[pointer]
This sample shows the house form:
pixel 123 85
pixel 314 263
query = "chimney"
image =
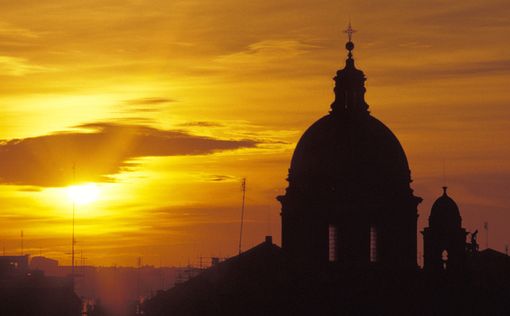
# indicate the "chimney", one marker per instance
pixel 269 239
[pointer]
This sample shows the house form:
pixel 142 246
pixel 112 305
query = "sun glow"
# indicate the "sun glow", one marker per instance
pixel 83 194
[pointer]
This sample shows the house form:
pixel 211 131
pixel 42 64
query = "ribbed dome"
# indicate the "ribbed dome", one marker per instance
pixel 445 213
pixel 354 156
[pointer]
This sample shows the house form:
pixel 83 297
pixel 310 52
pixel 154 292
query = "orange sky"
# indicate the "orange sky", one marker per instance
pixel 167 105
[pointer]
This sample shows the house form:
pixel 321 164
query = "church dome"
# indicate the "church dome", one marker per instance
pixel 445 213
pixel 355 155
pixel 349 201
pixel 349 151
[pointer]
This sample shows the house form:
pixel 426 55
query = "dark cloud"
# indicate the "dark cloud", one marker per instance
pixel 100 150
pixel 219 178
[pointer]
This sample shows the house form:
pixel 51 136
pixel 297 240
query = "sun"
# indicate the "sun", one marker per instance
pixel 83 194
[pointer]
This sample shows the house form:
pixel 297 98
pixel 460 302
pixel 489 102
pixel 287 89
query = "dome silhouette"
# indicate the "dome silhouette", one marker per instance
pixel 349 153
pixel 445 213
pixel 350 156
pixel 349 201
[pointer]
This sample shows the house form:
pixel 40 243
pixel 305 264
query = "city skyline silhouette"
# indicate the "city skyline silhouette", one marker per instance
pixel 182 135
pixel 349 225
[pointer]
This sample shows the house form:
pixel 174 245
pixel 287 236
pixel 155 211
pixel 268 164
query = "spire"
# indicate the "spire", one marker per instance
pixel 349 84
pixel 349 45
pixel 444 190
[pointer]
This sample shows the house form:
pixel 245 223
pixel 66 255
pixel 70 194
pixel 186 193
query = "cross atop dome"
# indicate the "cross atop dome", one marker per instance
pixel 349 45
pixel 349 31
pixel 350 84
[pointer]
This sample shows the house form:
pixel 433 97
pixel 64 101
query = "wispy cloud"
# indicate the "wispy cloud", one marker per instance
pixel 16 66
pixel 146 104
pixel 266 51
pixel 201 124
pixel 276 56
pixel 149 101
pixel 410 74
pixel 12 32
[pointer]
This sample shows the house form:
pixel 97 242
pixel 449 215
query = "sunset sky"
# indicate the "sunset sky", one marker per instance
pixel 165 105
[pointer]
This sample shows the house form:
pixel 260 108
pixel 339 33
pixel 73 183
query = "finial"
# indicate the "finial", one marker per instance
pixel 349 45
pixel 349 31
pixel 444 190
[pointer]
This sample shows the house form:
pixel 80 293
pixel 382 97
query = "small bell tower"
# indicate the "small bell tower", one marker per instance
pixel 444 241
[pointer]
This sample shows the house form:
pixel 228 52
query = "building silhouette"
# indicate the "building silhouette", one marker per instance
pixel 349 236
pixel 444 241
pixel 349 199
pixel 26 292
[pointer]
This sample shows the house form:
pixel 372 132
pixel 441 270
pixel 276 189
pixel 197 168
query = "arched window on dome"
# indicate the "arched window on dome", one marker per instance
pixel 373 244
pixel 332 243
pixel 444 259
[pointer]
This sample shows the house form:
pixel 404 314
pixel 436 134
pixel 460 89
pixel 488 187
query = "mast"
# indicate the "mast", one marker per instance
pixel 243 187
pixel 486 227
pixel 73 241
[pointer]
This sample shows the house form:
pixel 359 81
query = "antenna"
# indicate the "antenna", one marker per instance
pixel 22 250
pixel 486 227
pixel 138 278
pixel 243 187
pixel 82 262
pixel 268 222
pixel 161 273
pixel 444 171
pixel 73 240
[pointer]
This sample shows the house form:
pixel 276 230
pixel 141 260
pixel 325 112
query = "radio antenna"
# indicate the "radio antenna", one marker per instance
pixel 243 188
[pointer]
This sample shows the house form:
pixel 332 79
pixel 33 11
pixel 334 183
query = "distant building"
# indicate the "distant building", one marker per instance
pixel 49 266
pixel 114 290
pixel 27 292
pixel 13 265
